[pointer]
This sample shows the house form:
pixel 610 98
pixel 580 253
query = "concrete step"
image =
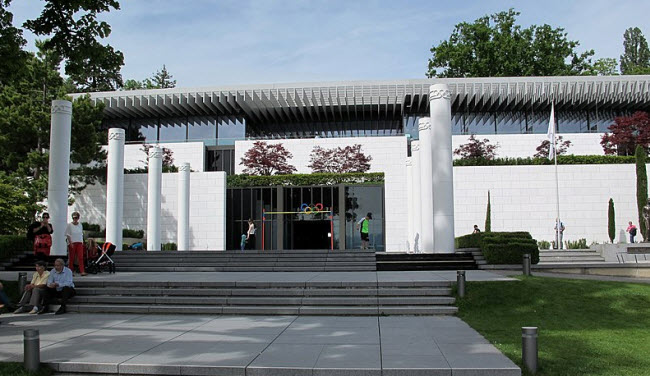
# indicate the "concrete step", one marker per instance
pixel 209 292
pixel 571 259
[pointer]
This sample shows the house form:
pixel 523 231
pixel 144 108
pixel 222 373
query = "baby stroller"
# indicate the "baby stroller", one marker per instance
pixel 104 260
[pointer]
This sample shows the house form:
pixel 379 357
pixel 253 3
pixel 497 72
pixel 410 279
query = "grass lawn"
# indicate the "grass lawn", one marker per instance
pixel 585 327
pixel 16 369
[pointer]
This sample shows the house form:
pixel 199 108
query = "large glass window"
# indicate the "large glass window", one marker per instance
pixel 230 130
pixel 360 200
pixel 202 130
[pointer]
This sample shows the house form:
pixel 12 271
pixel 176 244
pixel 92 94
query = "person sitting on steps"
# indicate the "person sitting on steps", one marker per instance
pixel 59 285
pixel 33 295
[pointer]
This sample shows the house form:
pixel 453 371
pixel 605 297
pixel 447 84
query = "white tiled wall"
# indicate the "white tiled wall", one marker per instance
pixel 388 156
pixel 190 152
pixel 524 145
pixel 523 198
pixel 207 207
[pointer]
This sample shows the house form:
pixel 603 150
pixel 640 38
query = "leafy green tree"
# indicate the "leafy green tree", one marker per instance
pixel 603 67
pixel 488 216
pixel 132 84
pixel 495 46
pixel 611 221
pixel 636 55
pixel 641 187
pixel 74 29
pixel 12 55
pixel 16 212
pixel 162 79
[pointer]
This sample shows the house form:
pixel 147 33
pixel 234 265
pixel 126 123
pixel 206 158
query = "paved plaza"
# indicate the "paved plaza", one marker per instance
pixel 261 345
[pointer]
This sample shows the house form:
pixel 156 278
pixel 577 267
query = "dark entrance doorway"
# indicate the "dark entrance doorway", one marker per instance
pixel 311 234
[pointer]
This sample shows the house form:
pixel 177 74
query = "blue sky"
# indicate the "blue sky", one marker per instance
pixel 214 43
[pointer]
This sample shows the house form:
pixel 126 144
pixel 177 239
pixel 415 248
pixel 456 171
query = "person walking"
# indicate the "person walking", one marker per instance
pixel 250 235
pixel 364 229
pixel 632 230
pixel 74 235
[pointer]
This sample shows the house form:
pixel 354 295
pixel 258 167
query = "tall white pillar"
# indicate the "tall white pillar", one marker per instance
pixel 416 215
pixel 184 207
pixel 426 186
pixel 443 168
pixel 409 200
pixel 115 187
pixel 59 173
pixel 154 198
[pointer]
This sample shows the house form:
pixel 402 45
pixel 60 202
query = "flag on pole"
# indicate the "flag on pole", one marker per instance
pixel 551 133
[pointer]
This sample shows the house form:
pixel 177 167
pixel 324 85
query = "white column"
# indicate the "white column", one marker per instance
pixel 443 169
pixel 154 199
pixel 184 207
pixel 59 173
pixel 417 209
pixel 409 200
pixel 115 187
pixel 426 186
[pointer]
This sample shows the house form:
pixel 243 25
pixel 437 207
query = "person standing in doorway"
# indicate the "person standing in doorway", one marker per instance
pixel 74 235
pixel 250 235
pixel 632 230
pixel 364 228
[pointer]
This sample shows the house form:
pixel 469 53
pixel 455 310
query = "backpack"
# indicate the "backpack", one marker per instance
pixel 633 231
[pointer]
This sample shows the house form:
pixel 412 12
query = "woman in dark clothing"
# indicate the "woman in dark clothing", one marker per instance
pixel 40 234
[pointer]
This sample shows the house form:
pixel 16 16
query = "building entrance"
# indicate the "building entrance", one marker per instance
pixel 313 234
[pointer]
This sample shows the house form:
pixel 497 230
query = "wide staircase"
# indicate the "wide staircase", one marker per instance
pixel 357 298
pixel 569 256
pixel 248 261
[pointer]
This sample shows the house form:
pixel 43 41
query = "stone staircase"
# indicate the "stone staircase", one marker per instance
pixel 569 256
pixel 356 298
pixel 425 261
pixel 251 261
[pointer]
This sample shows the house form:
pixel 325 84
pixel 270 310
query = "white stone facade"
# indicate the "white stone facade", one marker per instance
pixel 207 207
pixel 388 156
pixel 183 152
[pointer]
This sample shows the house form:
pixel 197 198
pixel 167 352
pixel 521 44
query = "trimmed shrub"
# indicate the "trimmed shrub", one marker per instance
pixel 239 181
pixel 488 216
pixel 468 241
pixel 97 234
pixel 90 227
pixel 641 187
pixel 511 253
pixel 561 159
pixel 129 233
pixel 544 244
pixel 474 240
pixel 611 221
pixel 11 245
pixel 578 244
pixel 169 247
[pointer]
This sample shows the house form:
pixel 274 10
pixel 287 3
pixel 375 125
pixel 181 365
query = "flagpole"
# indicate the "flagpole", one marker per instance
pixel 557 195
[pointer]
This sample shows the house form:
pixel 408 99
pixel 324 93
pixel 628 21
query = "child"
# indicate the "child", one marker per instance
pixel 242 244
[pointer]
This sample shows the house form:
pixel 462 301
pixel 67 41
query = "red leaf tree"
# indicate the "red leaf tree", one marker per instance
pixel 339 160
pixel 167 158
pixel 267 159
pixel 477 149
pixel 626 133
pixel 561 147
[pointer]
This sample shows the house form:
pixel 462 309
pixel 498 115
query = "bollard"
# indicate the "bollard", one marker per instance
pixel 460 283
pixel 526 263
pixel 22 282
pixel 32 349
pixel 529 347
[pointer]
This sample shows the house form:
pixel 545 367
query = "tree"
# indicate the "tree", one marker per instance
pixel 267 159
pixel 339 160
pixel 132 84
pixel 162 79
pixel 611 221
pixel 626 133
pixel 603 67
pixel 16 212
pixel 167 157
pixel 636 55
pixel 641 187
pixel 496 46
pixel 74 30
pixel 11 47
pixel 488 215
pixel 477 149
pixel 561 147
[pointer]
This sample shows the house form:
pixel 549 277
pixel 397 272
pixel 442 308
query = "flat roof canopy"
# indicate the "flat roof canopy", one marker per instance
pixel 379 100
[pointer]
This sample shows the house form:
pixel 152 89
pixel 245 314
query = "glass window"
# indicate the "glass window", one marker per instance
pixel 359 201
pixel 145 133
pixel 230 130
pixel 202 131
pixel 173 133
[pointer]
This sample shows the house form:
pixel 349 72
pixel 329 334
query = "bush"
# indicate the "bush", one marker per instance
pixel 561 159
pixel 90 227
pixel 474 240
pixel 578 244
pixel 611 221
pixel 129 233
pixel 510 253
pixel 11 245
pixel 543 244
pixel 468 241
pixel 169 247
pixel 97 234
pixel 240 181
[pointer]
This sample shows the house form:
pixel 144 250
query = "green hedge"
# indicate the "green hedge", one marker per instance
pixel 169 247
pixel 11 245
pixel 128 233
pixel 510 253
pixel 474 240
pixel 469 241
pixel 240 181
pixel 561 159
pixel 90 226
